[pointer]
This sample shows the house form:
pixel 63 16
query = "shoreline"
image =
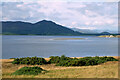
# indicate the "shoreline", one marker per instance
pixel 47 35
pixel 117 57
pixel 110 36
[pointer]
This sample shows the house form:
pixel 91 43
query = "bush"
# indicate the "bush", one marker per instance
pixel 64 61
pixel 86 61
pixel 30 61
pixel 28 71
pixel 57 59
pixel 54 59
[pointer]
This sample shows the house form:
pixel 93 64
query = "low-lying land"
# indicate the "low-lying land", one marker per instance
pixel 110 36
pixel 105 70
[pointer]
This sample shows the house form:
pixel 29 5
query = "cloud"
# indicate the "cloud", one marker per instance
pixel 90 28
pixel 98 15
pixel 73 23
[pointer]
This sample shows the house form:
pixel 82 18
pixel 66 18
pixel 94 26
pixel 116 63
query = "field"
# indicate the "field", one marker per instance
pixel 105 70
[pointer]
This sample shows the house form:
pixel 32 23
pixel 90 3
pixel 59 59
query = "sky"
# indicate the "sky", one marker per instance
pixel 101 16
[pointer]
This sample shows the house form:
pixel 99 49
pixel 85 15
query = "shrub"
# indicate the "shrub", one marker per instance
pixel 54 59
pixel 86 61
pixel 30 60
pixel 57 59
pixel 64 61
pixel 28 71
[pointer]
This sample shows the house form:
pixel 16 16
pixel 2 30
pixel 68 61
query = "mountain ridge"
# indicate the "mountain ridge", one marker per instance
pixel 43 27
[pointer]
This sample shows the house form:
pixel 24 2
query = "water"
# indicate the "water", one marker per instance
pixel 45 46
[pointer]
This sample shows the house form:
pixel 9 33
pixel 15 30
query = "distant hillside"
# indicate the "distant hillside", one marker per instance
pixel 40 28
pixel 88 31
pixel 93 32
pixel 105 33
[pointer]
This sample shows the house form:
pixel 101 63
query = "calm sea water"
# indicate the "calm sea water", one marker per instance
pixel 46 46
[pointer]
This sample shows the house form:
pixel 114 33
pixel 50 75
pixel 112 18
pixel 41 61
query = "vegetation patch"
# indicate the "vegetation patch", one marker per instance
pixel 28 71
pixel 30 61
pixel 57 59
pixel 64 61
pixel 86 61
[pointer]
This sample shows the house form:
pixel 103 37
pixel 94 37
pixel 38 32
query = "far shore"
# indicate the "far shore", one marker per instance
pixel 110 36
pixel 59 35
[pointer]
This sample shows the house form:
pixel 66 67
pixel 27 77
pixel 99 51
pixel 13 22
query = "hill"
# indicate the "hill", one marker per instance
pixel 43 27
pixel 105 33
pixel 86 31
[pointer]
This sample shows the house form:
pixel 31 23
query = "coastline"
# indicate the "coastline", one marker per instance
pixel 110 36
pixel 117 57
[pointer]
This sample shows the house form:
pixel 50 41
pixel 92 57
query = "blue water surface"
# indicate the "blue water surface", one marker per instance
pixel 14 46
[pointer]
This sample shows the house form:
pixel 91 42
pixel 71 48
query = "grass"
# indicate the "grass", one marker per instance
pixel 105 70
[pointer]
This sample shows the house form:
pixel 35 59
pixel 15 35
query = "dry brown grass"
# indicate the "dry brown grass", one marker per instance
pixel 106 70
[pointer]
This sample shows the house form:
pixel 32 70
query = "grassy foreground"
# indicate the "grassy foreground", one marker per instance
pixel 105 70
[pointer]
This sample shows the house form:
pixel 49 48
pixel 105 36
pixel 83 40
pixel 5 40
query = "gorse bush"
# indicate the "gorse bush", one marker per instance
pixel 28 71
pixel 54 59
pixel 30 60
pixel 86 61
pixel 57 59
pixel 64 61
